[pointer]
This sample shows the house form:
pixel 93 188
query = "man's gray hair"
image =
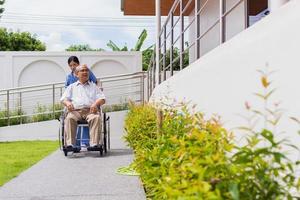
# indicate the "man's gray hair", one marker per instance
pixel 79 67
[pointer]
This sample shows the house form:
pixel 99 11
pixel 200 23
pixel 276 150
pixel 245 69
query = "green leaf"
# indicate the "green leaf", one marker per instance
pixel 258 112
pixel 259 95
pixel 234 191
pixel 140 41
pixel 269 136
pixel 260 151
pixel 278 156
pixel 269 93
pixel 125 48
pixel 113 46
pixel 293 146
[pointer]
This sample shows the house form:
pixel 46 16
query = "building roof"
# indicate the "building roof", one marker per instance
pixel 147 7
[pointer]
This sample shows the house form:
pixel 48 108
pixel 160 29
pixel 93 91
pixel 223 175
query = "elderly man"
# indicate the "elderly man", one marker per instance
pixel 82 99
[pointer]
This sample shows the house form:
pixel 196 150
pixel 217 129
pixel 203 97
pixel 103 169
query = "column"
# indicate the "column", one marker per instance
pixel 157 45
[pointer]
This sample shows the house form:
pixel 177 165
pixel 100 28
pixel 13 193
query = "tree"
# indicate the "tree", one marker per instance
pixel 1 6
pixel 137 47
pixel 19 41
pixel 82 47
pixel 147 53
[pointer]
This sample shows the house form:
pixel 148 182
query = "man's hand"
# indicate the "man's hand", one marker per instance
pixel 69 106
pixel 94 108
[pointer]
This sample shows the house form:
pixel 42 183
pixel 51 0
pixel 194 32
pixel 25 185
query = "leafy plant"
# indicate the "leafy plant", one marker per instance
pixel 41 113
pixel 16 117
pixel 185 156
pixel 185 159
pixel 2 6
pixel 58 108
pixel 147 55
pixel 141 39
pixel 115 107
pixel 261 169
pixel 140 125
pixel 44 113
pixel 82 47
pixel 19 41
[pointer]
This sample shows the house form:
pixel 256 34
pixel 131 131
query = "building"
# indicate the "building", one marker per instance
pixel 225 54
pixel 196 27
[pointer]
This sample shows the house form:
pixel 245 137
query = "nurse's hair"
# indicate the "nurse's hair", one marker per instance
pixel 74 59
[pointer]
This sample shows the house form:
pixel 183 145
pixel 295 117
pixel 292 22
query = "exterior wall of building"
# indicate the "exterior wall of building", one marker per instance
pixel 225 78
pixel 34 68
pixel 276 4
pixel 234 23
pixel 21 69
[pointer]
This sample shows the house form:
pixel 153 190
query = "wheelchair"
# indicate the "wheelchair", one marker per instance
pixel 82 140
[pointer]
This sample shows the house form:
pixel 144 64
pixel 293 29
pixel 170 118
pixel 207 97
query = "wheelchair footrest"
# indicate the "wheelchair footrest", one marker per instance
pixel 98 148
pixel 72 149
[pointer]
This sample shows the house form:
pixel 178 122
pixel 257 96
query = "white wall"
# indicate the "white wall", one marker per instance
pixel 234 23
pixel 32 68
pixel 222 80
pixel 208 16
pixel 35 68
pixel 273 5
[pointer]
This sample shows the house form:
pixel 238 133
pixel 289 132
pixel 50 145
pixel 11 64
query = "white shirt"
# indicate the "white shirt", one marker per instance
pixel 82 95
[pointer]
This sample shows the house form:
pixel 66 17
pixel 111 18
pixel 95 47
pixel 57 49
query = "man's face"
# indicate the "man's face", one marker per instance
pixel 83 74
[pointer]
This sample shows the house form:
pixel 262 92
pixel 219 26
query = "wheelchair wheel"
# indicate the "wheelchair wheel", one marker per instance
pixel 101 151
pixel 105 133
pixel 61 132
pixel 65 152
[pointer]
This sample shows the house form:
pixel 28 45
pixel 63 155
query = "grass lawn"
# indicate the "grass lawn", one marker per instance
pixel 15 157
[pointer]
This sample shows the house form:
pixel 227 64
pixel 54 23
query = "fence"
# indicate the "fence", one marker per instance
pixel 193 28
pixel 39 102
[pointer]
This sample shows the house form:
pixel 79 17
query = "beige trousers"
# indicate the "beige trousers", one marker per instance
pixel 94 121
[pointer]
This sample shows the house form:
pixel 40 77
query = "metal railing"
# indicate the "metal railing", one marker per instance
pixel 25 104
pixel 177 49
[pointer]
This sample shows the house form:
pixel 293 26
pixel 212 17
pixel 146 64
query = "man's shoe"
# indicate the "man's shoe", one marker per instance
pixel 76 149
pixel 69 147
pixel 91 148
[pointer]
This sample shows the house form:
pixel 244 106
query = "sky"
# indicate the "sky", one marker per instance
pixel 61 23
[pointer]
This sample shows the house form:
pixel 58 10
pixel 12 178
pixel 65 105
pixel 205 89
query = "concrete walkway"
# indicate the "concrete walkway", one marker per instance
pixel 83 176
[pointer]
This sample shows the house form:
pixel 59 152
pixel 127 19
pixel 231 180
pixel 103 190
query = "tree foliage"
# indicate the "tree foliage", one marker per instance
pixel 1 6
pixel 137 47
pixel 82 47
pixel 19 41
pixel 146 53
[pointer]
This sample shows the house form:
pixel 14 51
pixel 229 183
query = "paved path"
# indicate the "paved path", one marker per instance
pixel 84 176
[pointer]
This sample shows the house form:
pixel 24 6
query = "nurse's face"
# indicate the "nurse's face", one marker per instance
pixel 73 65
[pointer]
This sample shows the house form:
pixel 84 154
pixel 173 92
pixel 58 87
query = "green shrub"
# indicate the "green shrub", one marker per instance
pixel 185 156
pixel 58 108
pixel 41 113
pixel 140 125
pixel 115 107
pixel 15 117
pixel 185 160
pixel 44 113
pixel 261 169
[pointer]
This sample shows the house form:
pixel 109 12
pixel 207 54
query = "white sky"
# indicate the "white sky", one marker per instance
pixel 81 22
